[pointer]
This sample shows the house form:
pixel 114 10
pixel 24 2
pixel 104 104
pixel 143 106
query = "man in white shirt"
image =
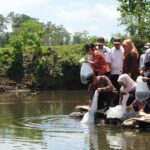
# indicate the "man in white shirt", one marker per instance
pixel 102 48
pixel 115 60
pixel 145 62
pixel 142 57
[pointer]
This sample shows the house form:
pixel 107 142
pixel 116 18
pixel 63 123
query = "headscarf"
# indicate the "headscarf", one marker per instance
pixel 130 47
pixel 126 79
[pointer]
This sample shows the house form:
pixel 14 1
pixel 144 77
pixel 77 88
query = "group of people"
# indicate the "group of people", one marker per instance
pixel 115 72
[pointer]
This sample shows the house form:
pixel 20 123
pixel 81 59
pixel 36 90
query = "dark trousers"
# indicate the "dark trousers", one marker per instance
pixel 131 98
pixel 114 80
pixel 106 99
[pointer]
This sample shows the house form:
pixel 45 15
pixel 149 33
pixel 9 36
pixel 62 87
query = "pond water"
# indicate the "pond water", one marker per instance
pixel 40 121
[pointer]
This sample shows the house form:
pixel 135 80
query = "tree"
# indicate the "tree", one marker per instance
pixel 4 39
pixel 135 15
pixel 3 25
pixel 4 36
pixel 80 37
pixel 16 67
pixel 32 33
pixel 17 20
pixel 56 35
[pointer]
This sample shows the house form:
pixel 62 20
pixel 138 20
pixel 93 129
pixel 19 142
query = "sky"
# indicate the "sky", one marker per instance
pixel 98 17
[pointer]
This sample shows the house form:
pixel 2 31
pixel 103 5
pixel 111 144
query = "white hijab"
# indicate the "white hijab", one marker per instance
pixel 126 79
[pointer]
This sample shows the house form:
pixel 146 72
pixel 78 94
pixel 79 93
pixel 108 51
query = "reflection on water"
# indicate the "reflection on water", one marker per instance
pixel 116 141
pixel 41 122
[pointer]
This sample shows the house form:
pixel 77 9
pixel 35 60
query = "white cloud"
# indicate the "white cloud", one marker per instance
pixel 85 13
pixel 107 12
pixel 99 19
pixel 94 16
pixel 95 29
pixel 19 5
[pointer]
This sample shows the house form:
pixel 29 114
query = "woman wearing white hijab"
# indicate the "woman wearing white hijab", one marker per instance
pixel 128 86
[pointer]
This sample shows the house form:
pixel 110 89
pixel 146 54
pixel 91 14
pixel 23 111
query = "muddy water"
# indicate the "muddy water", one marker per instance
pixel 40 121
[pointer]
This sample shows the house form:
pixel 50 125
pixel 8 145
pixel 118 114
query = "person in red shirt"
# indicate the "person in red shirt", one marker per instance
pixel 98 62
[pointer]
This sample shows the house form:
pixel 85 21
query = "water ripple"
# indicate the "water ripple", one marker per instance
pixel 58 123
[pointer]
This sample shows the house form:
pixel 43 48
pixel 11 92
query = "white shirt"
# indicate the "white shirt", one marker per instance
pixel 146 73
pixel 90 58
pixel 105 51
pixel 146 57
pixel 115 58
pixel 142 57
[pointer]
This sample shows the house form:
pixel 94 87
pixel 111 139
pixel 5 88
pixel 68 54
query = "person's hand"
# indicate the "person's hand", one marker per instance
pixel 90 102
pixel 128 108
pixel 90 62
pixel 145 79
pixel 129 74
pixel 122 94
pixel 86 61
pixel 141 72
pixel 99 90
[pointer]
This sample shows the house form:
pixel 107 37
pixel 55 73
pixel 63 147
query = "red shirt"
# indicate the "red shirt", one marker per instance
pixel 100 65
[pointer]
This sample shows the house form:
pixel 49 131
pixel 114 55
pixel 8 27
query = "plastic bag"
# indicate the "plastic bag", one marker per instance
pixel 93 107
pixel 125 99
pixel 142 91
pixel 116 112
pixel 82 60
pixel 89 116
pixel 86 71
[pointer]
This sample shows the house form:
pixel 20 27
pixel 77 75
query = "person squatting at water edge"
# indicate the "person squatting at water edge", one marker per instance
pixel 128 86
pixel 99 65
pixel 107 92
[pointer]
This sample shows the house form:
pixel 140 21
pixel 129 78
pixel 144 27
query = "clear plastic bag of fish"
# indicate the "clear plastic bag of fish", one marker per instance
pixel 115 112
pixel 86 71
pixel 88 118
pixel 142 91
